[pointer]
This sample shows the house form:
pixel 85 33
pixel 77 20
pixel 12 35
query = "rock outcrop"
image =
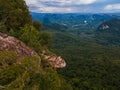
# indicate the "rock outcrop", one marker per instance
pixel 13 44
pixel 54 61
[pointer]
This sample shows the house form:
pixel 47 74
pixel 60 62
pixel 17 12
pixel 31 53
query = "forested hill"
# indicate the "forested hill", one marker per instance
pixel 108 33
pixel 26 63
pixel 76 21
pixel 14 14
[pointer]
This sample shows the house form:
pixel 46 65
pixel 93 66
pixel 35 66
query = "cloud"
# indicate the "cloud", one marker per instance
pixel 30 2
pixel 112 7
pixel 68 2
pixel 61 2
pixel 56 10
pixel 52 6
pixel 73 6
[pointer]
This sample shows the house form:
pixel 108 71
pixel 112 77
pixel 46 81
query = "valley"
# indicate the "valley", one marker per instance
pixel 59 45
pixel 93 61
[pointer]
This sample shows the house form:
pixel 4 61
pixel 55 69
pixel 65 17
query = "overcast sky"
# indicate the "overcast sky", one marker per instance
pixel 74 6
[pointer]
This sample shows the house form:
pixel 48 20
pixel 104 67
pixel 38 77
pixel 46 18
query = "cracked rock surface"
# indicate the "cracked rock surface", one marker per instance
pixel 13 44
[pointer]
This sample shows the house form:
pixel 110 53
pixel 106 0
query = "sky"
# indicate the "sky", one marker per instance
pixel 74 6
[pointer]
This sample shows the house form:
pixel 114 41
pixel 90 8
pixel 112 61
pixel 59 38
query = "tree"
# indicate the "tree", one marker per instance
pixel 30 35
pixel 45 39
pixel 37 24
pixel 29 75
pixel 14 14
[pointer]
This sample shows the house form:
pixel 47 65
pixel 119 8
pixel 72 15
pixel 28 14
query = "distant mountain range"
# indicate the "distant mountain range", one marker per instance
pixel 104 28
pixel 74 21
pixel 66 19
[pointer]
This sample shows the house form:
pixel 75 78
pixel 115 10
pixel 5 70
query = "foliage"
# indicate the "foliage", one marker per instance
pixel 14 14
pixel 37 25
pixel 45 39
pixel 7 58
pixel 29 75
pixel 30 36
pixel 108 33
pixel 34 38
pixel 90 66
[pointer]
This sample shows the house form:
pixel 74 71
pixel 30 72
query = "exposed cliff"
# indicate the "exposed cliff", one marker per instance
pixel 54 61
pixel 13 44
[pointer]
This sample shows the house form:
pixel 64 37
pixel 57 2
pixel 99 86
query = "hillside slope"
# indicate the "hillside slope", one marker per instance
pixel 23 42
pixel 108 32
